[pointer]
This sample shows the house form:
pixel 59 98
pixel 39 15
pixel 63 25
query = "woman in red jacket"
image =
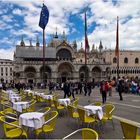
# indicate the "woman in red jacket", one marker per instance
pixel 103 90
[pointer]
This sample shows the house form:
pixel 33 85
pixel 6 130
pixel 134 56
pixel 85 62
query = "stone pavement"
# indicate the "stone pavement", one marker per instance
pixel 129 109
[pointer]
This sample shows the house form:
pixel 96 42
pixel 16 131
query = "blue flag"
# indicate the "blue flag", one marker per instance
pixel 44 17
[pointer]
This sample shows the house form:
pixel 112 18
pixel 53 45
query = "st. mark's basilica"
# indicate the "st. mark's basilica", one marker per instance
pixel 64 61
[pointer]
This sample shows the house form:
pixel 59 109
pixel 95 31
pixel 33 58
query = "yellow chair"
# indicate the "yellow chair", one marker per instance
pixel 84 117
pixel 44 110
pixel 75 102
pixel 130 131
pixel 31 107
pixel 50 123
pixel 97 103
pixel 72 113
pixel 6 109
pixel 57 106
pixel 86 133
pixel 15 132
pixel 108 111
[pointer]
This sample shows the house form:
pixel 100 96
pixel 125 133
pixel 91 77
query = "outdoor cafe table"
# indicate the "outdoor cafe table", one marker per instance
pixel 15 99
pixel 65 101
pixel 18 106
pixel 92 109
pixel 32 119
pixel 47 97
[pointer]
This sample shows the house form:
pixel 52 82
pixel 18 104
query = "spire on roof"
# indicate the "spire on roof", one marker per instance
pixel 22 41
pixel 37 42
pixel 56 36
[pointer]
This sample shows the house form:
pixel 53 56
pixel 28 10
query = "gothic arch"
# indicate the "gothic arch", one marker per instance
pixel 84 73
pixel 45 73
pixel 65 71
pixel 30 74
pixel 96 73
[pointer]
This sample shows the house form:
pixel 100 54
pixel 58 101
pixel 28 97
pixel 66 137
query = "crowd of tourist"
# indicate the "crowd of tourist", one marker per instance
pixel 70 88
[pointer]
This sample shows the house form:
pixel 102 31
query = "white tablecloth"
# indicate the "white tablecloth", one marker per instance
pixel 47 97
pixel 32 119
pixel 38 94
pixel 18 106
pixel 28 91
pixel 64 102
pixel 15 99
pixel 94 110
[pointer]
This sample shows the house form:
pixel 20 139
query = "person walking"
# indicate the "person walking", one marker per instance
pixel 85 88
pixel 103 91
pixel 66 89
pixel 120 89
pixel 89 88
pixel 71 90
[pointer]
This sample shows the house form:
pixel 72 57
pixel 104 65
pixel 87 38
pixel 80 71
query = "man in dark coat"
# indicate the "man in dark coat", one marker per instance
pixel 120 89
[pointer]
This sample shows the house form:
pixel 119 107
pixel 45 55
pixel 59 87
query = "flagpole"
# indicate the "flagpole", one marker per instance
pixel 43 55
pixel 85 42
pixel 117 47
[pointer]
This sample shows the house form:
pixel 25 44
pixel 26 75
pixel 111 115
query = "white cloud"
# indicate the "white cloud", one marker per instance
pixel 7 53
pixel 18 12
pixel 102 13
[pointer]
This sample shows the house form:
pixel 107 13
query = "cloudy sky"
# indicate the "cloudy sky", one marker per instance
pixel 21 17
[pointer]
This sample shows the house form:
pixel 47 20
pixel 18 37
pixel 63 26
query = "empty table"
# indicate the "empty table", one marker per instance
pixel 18 106
pixel 32 119
pixel 94 110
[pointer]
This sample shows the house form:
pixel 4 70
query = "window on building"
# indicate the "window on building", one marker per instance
pixel 10 69
pixel 1 69
pixel 125 60
pixel 136 60
pixel 114 60
pixel 11 74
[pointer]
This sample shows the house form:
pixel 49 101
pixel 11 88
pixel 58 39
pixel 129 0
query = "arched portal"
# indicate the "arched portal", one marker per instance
pixel 84 73
pixel 65 71
pixel 96 74
pixel 30 74
pixel 64 54
pixel 45 73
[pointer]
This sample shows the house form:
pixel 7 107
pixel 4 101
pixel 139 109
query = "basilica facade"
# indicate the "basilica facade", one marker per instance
pixel 63 61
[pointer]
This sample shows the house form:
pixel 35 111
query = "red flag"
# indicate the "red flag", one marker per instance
pixel 86 39
pixel 117 40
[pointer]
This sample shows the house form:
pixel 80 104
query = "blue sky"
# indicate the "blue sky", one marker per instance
pixel 21 18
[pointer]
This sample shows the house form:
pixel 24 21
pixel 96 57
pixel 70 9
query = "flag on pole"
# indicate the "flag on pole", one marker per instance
pixel 44 17
pixel 86 38
pixel 117 39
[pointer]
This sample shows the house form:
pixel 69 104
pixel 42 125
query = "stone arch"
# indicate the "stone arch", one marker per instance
pixel 64 54
pixel 30 74
pixel 45 73
pixel 136 60
pixel 83 73
pixel 96 73
pixel 126 60
pixel 114 60
pixel 65 71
